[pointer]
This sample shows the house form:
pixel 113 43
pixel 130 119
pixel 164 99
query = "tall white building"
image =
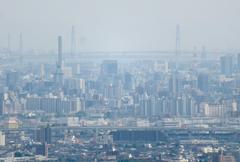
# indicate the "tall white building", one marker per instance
pixel 2 139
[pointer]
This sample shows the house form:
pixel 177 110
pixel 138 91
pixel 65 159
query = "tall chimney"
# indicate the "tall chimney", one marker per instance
pixel 59 52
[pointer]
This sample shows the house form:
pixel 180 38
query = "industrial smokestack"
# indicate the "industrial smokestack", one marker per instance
pixel 59 52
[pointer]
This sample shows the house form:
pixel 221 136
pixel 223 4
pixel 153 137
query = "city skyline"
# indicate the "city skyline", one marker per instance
pixel 119 81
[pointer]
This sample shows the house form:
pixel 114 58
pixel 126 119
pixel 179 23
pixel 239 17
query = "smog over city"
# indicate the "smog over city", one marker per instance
pixel 120 80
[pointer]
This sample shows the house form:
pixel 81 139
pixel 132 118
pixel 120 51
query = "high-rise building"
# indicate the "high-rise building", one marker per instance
pixel 55 105
pixel 237 98
pixel 42 71
pixel 33 103
pixel 179 106
pixel 215 110
pixel 238 61
pixel 174 83
pixel 1 103
pixel 74 85
pixel 202 82
pixel 144 106
pixel 48 104
pixel 2 139
pixel 109 67
pixel 226 65
pixel 189 106
pixel 42 149
pixel 113 91
pixel 203 53
pixel 12 79
pixel 44 135
pixel 173 106
pixel 77 105
pixel 128 81
pixel 159 106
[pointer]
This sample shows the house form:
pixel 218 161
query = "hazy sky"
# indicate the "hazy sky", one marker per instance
pixel 121 24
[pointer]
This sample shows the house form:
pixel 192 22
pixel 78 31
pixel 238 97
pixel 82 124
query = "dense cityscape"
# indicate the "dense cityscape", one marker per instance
pixel 120 109
pixel 119 81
